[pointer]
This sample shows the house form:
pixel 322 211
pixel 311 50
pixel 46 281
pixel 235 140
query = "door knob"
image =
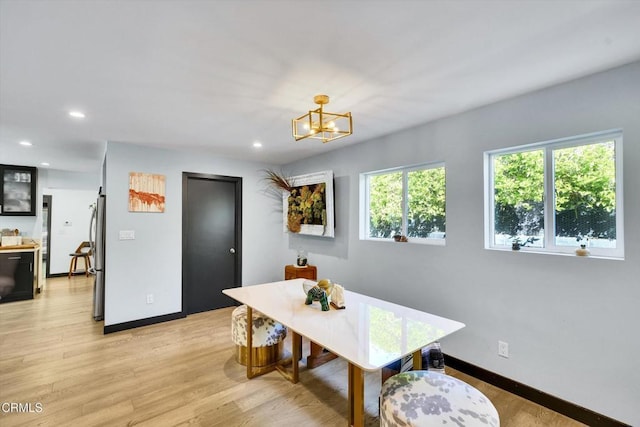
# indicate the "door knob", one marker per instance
pixel 232 250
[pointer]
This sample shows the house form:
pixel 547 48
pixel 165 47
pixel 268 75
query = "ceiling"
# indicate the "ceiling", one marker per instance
pixel 215 76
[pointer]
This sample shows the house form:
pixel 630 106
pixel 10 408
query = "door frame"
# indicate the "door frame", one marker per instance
pixel 48 199
pixel 237 223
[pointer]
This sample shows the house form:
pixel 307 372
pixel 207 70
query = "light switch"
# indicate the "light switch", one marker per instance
pixel 127 235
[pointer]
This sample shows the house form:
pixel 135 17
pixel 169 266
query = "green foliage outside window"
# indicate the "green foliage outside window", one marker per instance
pixel 385 205
pixel 519 191
pixel 584 186
pixel 425 202
pixel 426 190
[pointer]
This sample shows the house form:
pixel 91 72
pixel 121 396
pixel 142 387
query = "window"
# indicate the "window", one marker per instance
pixel 405 201
pixel 558 195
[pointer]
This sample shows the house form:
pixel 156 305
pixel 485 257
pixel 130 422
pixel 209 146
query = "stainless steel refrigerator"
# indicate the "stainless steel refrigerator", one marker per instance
pixel 97 240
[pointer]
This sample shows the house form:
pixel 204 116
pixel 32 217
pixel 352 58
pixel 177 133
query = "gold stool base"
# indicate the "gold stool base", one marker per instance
pixel 261 356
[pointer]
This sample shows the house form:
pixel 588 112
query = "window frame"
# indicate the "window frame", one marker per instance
pixel 365 203
pixel 548 147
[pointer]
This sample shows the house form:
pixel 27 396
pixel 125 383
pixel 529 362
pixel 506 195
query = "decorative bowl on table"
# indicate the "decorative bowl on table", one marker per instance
pixel 325 284
pixel 307 285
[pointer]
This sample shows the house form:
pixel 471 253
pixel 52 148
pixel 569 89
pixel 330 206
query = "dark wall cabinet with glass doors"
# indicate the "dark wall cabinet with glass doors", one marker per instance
pixel 18 190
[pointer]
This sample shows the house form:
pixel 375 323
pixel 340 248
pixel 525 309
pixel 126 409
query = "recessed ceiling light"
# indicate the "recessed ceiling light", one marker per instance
pixel 77 114
pixel 44 164
pixel 257 144
pixel 26 143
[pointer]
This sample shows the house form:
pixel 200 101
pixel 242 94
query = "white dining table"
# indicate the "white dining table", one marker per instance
pixel 369 333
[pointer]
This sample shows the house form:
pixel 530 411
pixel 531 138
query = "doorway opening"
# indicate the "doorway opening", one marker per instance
pixel 47 201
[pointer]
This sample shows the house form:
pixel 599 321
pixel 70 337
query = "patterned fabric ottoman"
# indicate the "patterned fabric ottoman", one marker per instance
pixel 268 337
pixel 425 398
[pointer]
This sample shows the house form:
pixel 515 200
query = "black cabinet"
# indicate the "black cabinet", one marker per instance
pixel 18 190
pixel 16 276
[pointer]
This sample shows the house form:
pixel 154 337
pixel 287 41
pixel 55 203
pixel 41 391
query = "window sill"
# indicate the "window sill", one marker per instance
pixel 415 241
pixel 567 254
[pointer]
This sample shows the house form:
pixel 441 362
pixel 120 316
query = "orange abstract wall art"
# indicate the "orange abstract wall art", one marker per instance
pixel 146 192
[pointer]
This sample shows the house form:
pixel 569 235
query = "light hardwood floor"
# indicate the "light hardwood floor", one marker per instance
pixel 176 373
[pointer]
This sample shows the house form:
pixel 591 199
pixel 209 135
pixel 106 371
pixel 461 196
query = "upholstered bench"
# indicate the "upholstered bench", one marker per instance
pixel 426 398
pixel 267 340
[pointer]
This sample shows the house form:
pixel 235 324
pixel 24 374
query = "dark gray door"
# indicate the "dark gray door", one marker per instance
pixel 211 243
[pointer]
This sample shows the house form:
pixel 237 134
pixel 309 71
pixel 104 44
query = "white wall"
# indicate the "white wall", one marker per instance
pixel 152 263
pixel 70 217
pixel 58 179
pixel 571 322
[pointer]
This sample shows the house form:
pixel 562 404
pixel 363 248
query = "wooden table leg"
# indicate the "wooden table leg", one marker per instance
pixel 296 348
pixel 356 396
pixel 417 360
pixel 318 355
pixel 254 371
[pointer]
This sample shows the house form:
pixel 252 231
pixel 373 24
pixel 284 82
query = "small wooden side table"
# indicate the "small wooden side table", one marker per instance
pixel 318 355
pixel 307 272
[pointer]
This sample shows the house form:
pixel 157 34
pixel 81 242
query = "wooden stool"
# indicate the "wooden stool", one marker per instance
pixel 267 342
pixel 80 253
pixel 425 398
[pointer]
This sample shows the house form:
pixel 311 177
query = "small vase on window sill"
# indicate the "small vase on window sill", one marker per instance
pixel 582 250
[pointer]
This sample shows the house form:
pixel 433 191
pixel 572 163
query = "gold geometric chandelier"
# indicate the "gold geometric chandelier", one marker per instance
pixel 319 124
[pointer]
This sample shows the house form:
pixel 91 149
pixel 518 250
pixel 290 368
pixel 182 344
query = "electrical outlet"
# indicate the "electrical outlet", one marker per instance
pixel 503 349
pixel 149 298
